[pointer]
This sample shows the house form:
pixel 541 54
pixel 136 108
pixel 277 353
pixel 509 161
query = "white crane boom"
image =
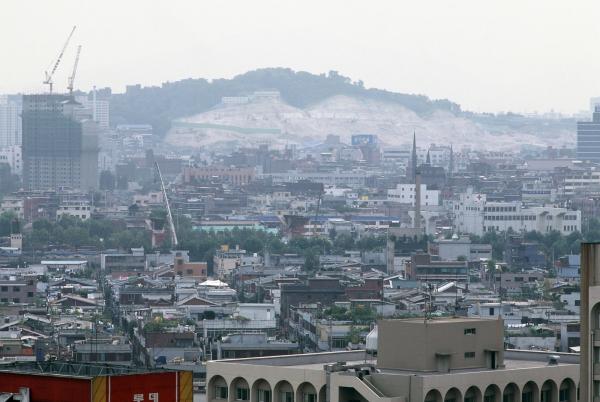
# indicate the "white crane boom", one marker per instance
pixel 169 215
pixel 72 77
pixel 49 76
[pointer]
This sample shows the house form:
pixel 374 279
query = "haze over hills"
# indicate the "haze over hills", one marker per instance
pixel 190 113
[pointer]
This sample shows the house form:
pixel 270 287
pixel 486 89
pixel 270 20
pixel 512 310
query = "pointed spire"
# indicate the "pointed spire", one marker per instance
pixel 413 159
pixel 428 160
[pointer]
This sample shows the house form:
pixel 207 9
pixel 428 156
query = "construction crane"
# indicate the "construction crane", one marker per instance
pixel 169 215
pixel 48 81
pixel 72 77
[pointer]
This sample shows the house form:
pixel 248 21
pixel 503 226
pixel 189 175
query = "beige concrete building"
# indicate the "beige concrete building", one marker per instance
pixel 590 322
pixel 440 360
pixel 234 175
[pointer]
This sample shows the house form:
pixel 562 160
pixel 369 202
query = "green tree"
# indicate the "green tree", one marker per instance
pixel 311 261
pixel 9 223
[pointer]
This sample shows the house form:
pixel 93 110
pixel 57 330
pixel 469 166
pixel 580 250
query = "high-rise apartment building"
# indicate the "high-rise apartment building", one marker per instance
pixel 588 138
pixel 99 108
pixel 60 145
pixel 10 120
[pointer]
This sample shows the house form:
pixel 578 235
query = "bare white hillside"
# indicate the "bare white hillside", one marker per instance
pixel 278 123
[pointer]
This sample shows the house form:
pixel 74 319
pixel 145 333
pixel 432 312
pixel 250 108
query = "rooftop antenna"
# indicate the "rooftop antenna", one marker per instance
pixel 48 76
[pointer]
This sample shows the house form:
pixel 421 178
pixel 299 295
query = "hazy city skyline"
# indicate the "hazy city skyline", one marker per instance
pixel 493 56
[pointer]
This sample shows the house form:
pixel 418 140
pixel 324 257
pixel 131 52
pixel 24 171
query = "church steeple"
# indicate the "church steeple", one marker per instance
pixel 428 160
pixel 413 160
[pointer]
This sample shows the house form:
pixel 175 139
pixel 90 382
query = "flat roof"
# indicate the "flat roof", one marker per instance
pixel 513 360
pixel 73 369
pixel 439 320
pixel 509 364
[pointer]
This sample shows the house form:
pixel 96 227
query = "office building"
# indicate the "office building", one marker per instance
pixel 60 148
pixel 588 138
pixel 435 360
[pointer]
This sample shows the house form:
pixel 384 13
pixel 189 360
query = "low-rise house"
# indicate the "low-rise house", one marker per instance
pixel 515 283
pixel 423 267
pixel 186 269
pixel 17 289
pixel 124 262
pixel 110 353
pixel 457 247
pixel 69 301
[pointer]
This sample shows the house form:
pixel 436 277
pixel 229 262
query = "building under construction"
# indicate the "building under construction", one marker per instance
pixel 60 144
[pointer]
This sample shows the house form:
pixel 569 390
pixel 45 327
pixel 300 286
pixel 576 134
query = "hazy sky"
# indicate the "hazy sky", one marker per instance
pixel 487 55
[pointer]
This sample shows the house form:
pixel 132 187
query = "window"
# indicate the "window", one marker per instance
pixel 264 395
pixel 241 394
pixel 4 289
pixel 287 396
pixel 563 395
pixel 577 303
pixel 470 331
pixel 469 355
pixel 29 294
pixel 220 392
pixel 527 397
pixel 309 397
pixel 546 395
pixel 16 289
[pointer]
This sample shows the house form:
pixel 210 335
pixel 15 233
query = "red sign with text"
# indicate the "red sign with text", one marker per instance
pixel 152 387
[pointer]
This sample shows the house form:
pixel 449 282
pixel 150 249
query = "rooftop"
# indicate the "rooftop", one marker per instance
pixel 72 369
pixel 514 360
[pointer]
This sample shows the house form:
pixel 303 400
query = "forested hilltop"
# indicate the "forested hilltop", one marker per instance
pixel 158 106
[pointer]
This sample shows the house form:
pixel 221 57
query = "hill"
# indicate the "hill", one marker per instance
pixel 308 105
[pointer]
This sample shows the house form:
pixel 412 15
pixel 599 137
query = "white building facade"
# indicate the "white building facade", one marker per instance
pixel 76 208
pixel 503 216
pixel 406 194
pixel 468 212
pixel 474 215
pixel 100 110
